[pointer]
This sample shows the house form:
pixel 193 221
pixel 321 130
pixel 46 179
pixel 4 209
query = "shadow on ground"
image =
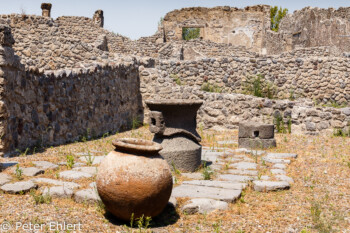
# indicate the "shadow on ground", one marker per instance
pixel 169 216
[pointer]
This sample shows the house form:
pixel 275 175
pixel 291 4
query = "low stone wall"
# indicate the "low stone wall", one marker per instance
pixel 320 78
pixel 227 110
pixel 60 106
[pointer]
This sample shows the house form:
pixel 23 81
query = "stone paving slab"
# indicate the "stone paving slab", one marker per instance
pixel 203 205
pixel 77 164
pixel 195 175
pixel 278 171
pixel 18 187
pixel 282 155
pixel 90 170
pixel 45 165
pixel 32 171
pixel 244 165
pixel 228 142
pixel 4 178
pixel 70 185
pixel 87 196
pixel 95 159
pixel 74 175
pixel 58 192
pixel 279 166
pixel 285 178
pixel 5 165
pixel 242 172
pixel 265 186
pixel 217 184
pixel 236 178
pixel 194 191
pixel 271 160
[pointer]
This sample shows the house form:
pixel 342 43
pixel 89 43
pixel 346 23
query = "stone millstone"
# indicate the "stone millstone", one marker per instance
pixel 87 196
pixel 196 191
pixel 19 187
pixel 58 192
pixel 4 178
pixel 204 205
pixel 265 186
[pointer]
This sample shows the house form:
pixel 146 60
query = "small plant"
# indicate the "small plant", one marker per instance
pixel 279 124
pixel 143 223
pixel 89 159
pixel 207 172
pixel 177 172
pixel 241 199
pixel 176 79
pixel 40 199
pixel 19 173
pixel 289 125
pixel 70 161
pixel 136 122
pixel 217 226
pixel 321 224
pixel 291 95
pixel 258 86
pixel 341 132
pixel 211 88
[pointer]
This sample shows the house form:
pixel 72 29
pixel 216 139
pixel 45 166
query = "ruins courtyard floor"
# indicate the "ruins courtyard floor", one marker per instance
pixel 317 201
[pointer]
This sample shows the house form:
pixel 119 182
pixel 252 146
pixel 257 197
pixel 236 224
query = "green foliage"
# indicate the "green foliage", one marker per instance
pixel 89 159
pixel 19 173
pixel 70 161
pixel 143 223
pixel 190 33
pixel 341 132
pixel 333 104
pixel 321 223
pixel 136 122
pixel 211 88
pixel 207 172
pixel 176 79
pixel 39 198
pixel 276 15
pixel 258 86
pixel 177 172
pixel 280 125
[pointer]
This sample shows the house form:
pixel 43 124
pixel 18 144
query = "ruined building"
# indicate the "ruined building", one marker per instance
pixel 67 77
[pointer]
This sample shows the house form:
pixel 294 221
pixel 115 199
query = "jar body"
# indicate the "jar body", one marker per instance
pixel 134 184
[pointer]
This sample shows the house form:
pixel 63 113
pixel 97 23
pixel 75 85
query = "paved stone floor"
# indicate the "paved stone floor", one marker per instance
pixel 225 174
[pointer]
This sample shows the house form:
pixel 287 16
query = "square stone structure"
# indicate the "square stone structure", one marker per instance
pixel 255 135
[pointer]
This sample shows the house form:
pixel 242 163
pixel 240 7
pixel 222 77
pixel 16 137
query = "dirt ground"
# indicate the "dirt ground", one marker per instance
pixel 318 201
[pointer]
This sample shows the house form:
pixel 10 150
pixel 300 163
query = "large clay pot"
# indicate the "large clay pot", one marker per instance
pixel 134 179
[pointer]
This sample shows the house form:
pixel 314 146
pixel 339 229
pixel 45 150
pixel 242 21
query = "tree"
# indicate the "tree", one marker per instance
pixel 276 16
pixel 190 33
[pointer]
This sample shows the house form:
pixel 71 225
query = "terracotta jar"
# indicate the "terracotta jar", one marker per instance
pixel 134 179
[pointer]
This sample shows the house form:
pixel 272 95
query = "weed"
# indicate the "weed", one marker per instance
pixel 19 173
pixel 241 199
pixel 70 161
pixel 211 88
pixel 258 86
pixel 40 199
pixel 143 223
pixel 341 132
pixel 279 123
pixel 89 159
pixel 176 79
pixel 217 226
pixel 207 172
pixel 321 224
pixel 291 95
pixel 177 172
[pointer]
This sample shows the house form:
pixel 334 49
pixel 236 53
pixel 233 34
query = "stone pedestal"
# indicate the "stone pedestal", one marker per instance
pixel 174 124
pixel 254 135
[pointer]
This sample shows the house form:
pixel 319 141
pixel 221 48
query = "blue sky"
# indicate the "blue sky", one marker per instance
pixel 136 18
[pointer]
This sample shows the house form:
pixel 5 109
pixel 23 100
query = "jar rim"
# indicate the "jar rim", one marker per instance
pixel 137 146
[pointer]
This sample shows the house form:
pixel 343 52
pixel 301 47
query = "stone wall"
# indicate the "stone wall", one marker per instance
pixel 316 76
pixel 312 27
pixel 241 27
pixel 222 110
pixel 60 106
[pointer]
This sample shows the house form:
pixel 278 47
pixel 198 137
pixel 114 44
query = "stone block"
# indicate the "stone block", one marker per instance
pixel 256 130
pixel 256 143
